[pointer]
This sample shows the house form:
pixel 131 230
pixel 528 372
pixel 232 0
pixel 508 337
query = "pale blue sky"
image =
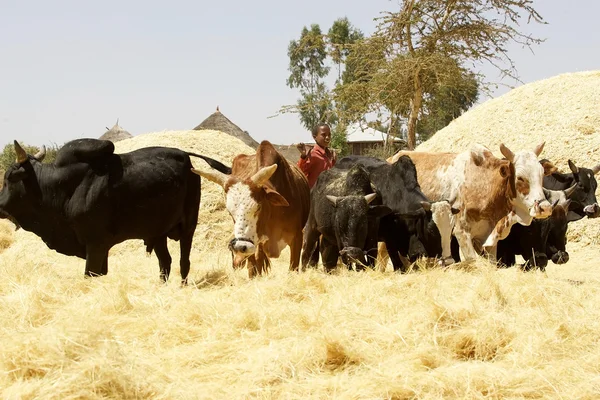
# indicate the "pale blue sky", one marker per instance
pixel 68 69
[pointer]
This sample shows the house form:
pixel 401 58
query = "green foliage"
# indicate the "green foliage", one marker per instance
pixel 8 155
pixel 308 70
pixel 339 140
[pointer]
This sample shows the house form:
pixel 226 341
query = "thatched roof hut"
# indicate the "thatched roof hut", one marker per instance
pixel 219 122
pixel 116 133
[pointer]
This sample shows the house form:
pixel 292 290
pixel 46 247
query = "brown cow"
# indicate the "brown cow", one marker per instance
pixel 269 200
pixel 491 193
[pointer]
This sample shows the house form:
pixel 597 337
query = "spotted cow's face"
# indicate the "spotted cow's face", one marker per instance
pixel 529 175
pixel 244 208
pixel 245 199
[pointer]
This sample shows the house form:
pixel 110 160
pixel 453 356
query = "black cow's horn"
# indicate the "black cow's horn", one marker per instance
pixel 569 192
pixel 21 154
pixel 40 154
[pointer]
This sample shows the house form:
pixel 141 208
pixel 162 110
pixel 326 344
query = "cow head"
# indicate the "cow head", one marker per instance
pixel 19 193
pixel 530 201
pixel 350 219
pixel 585 193
pixel 557 232
pixel 248 202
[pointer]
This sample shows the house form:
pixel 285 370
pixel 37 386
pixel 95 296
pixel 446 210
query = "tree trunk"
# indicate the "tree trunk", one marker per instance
pixel 415 109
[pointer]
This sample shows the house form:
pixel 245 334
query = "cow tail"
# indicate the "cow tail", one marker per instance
pixel 213 163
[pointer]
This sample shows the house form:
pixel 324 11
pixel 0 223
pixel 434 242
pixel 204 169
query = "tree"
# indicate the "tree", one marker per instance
pixel 424 47
pixel 307 70
pixel 341 36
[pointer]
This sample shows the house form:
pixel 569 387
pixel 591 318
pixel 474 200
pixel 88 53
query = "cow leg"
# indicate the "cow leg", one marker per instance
pixel 105 266
pixel 295 249
pixel 96 261
pixel 382 256
pixel 185 246
pixel 465 243
pixel 329 254
pixel 310 246
pixel 164 258
pixel 251 263
pixel 501 230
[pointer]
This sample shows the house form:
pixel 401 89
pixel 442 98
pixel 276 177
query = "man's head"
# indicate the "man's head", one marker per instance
pixel 322 135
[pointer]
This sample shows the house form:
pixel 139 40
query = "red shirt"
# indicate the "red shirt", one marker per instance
pixel 317 161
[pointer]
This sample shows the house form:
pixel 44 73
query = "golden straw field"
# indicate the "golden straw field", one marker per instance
pixel 467 331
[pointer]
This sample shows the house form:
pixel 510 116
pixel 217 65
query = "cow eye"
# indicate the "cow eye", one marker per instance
pixel 520 179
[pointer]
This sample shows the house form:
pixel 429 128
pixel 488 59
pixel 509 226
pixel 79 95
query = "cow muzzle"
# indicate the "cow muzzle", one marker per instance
pixel 561 257
pixel 242 246
pixel 592 211
pixel 353 252
pixel 541 209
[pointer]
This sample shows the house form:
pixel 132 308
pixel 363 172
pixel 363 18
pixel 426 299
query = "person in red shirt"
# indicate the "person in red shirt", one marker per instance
pixel 320 158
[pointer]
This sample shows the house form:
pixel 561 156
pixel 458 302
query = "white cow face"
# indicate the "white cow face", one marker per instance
pixel 530 201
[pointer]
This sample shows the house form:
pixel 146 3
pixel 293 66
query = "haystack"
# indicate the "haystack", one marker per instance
pixel 563 111
pixel 219 122
pixel 116 134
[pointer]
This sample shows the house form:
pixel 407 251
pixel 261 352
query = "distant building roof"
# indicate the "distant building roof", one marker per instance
pixel 116 133
pixel 219 122
pixel 356 134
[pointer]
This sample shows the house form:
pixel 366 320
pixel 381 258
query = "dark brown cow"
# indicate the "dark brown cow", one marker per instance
pixel 269 200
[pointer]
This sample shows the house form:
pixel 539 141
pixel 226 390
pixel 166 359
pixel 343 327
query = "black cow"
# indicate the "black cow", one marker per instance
pixel 583 200
pixel 410 231
pixel 533 241
pixel 90 199
pixel 343 216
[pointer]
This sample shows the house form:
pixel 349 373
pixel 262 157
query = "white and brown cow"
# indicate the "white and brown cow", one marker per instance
pixel 269 200
pixel 491 193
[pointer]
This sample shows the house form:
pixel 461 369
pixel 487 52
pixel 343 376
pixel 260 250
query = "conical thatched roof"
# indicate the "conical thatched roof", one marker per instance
pixel 218 122
pixel 116 133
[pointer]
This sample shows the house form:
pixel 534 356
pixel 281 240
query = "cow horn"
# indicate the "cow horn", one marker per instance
pixel 370 197
pixel 566 204
pixel 21 154
pixel 573 167
pixel 555 203
pixel 214 176
pixel 569 192
pixel 263 174
pixel 596 169
pixel 539 148
pixel 510 156
pixel 426 205
pixel 40 154
pixel 332 199
pixel 374 188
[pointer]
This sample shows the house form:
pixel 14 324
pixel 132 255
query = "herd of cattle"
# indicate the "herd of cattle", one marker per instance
pixel 447 206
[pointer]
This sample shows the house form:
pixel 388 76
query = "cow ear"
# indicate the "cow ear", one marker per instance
pixel 379 211
pixel 426 205
pixel 17 175
pixel 504 171
pixel 454 211
pixel 510 156
pixel 549 168
pixel 275 198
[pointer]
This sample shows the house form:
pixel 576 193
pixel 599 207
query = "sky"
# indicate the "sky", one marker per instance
pixel 69 69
